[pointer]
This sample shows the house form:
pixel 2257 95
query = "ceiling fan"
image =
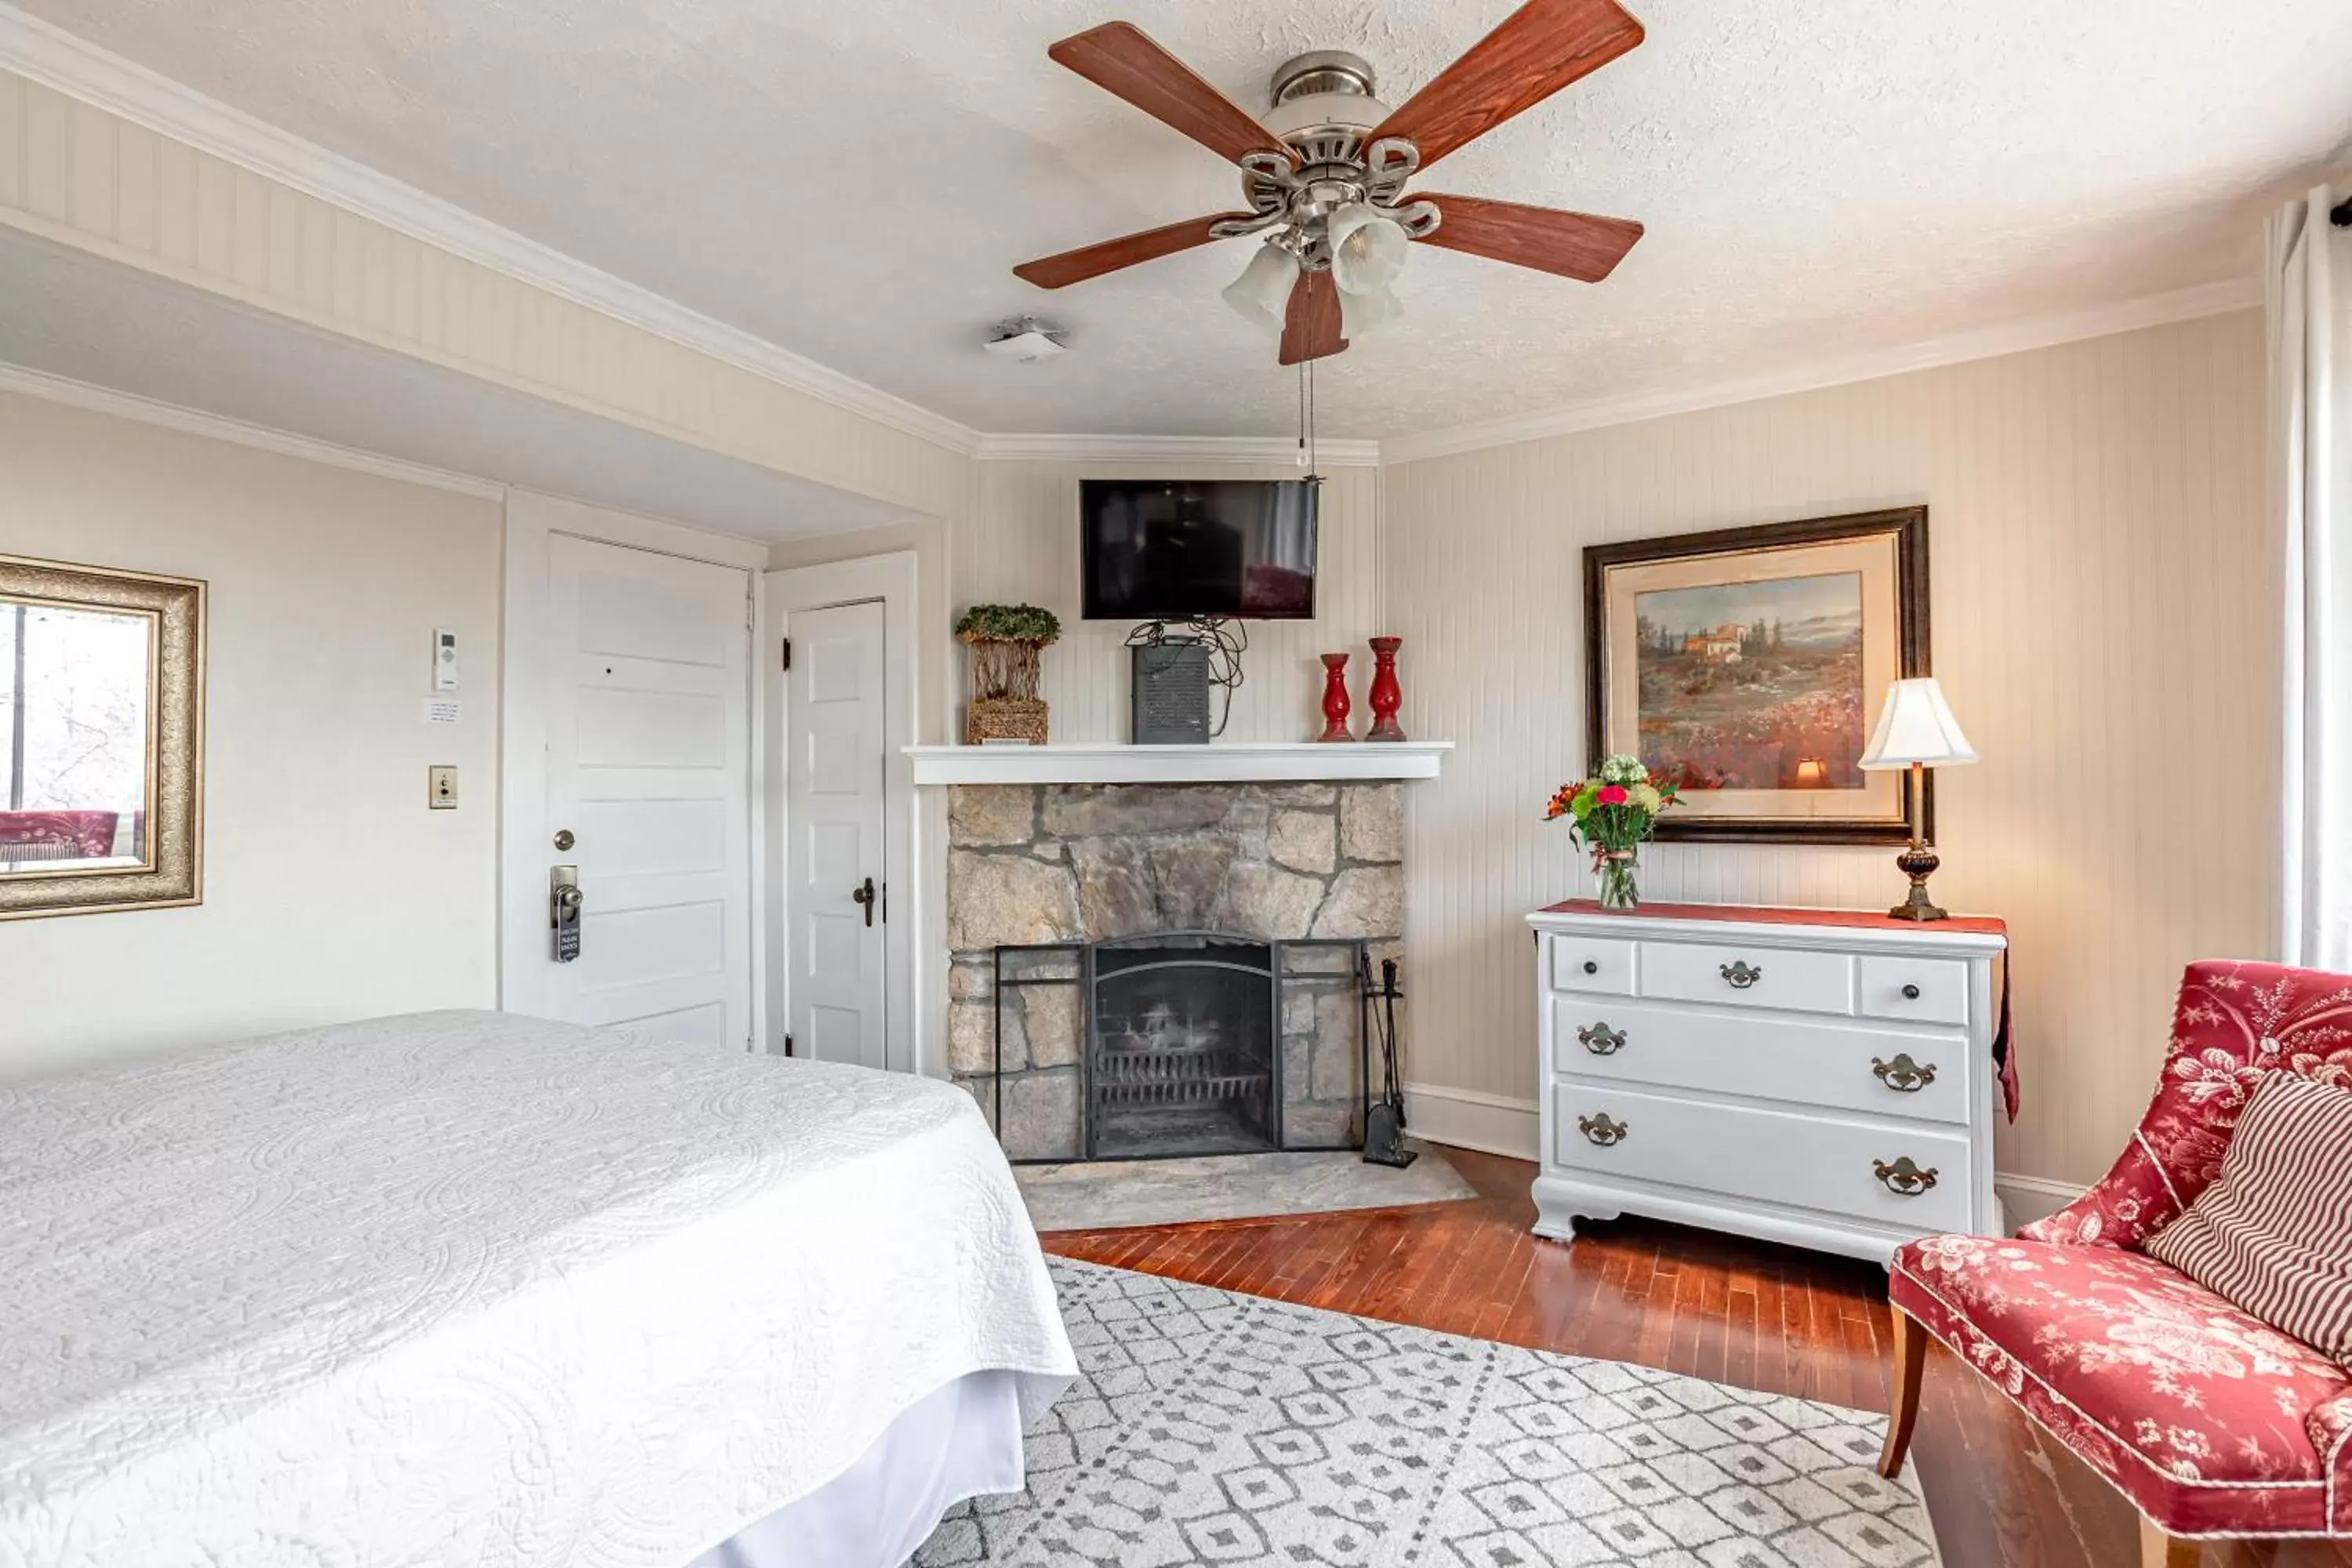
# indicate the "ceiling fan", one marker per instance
pixel 1324 172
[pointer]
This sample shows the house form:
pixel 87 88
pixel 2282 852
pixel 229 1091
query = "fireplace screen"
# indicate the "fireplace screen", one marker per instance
pixel 1182 1054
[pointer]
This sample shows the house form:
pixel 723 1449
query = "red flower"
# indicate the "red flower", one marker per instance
pixel 1613 794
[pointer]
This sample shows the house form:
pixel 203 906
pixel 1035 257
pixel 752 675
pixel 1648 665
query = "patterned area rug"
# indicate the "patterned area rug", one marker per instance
pixel 1207 1428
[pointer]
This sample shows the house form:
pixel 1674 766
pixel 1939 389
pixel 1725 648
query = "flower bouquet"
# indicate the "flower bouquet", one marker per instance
pixel 1612 813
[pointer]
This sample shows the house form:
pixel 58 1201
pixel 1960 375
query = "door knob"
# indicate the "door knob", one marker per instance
pixel 863 894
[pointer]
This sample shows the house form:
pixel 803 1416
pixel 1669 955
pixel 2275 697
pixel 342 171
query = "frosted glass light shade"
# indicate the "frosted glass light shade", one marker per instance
pixel 1368 248
pixel 1917 726
pixel 1261 292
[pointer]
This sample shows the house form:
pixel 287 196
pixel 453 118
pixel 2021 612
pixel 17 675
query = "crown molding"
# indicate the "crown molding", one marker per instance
pixel 58 60
pixel 1281 449
pixel 220 427
pixel 47 53
pixel 1988 342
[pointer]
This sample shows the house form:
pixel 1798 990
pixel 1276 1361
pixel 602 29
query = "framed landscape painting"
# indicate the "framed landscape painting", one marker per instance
pixel 1749 664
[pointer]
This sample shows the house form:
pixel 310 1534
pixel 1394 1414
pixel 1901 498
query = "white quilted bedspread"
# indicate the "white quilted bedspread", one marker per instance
pixel 468 1289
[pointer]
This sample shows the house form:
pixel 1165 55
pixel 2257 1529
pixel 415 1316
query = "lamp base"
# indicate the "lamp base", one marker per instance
pixel 1917 862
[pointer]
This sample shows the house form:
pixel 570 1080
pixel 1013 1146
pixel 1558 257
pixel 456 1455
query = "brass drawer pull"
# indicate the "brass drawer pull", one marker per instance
pixel 1903 1075
pixel 1601 1131
pixel 1904 1178
pixel 1741 974
pixel 1602 1040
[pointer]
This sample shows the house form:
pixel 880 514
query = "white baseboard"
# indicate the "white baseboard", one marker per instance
pixel 2029 1198
pixel 1499 1124
pixel 1465 1118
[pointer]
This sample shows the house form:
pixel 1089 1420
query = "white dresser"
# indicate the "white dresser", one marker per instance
pixel 1811 1077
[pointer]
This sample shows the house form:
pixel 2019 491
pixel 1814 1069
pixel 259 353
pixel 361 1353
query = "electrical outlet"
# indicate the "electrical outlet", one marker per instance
pixel 441 788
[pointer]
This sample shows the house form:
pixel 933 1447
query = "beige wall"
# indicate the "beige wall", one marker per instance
pixel 330 891
pixel 2102 623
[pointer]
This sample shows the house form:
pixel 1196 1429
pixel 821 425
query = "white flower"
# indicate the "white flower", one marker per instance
pixel 1621 769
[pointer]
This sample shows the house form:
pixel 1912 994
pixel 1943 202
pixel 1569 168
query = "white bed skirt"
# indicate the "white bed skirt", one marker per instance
pixel 959 1441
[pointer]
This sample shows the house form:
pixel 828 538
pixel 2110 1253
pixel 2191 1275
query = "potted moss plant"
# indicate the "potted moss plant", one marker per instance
pixel 1005 640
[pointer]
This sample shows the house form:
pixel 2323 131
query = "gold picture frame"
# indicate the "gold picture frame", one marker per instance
pixel 1747 664
pixel 168 869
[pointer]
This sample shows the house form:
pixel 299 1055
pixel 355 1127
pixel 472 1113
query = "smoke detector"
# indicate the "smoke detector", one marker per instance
pixel 1026 339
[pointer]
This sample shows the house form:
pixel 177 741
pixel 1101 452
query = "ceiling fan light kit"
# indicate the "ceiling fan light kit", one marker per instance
pixel 1324 173
pixel 1261 293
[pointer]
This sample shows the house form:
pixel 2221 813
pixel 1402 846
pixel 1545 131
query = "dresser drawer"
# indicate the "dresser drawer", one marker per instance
pixel 1591 964
pixel 1793 979
pixel 1928 990
pixel 1877 1070
pixel 1826 1164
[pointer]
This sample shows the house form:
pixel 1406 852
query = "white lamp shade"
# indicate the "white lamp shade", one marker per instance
pixel 1362 310
pixel 1368 248
pixel 1261 292
pixel 1917 726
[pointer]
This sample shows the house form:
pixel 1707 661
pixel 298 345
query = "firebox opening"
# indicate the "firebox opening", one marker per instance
pixel 1182 1054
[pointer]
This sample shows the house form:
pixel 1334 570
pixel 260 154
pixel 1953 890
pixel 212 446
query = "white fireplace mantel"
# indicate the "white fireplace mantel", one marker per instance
pixel 1238 762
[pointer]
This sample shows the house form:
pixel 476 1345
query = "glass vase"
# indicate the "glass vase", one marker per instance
pixel 1619 873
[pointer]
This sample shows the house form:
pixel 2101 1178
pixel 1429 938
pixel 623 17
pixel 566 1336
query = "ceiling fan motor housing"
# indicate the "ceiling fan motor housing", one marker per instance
pixel 1323 103
pixel 1323 108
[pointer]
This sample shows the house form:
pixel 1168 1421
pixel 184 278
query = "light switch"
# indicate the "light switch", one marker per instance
pixel 441 788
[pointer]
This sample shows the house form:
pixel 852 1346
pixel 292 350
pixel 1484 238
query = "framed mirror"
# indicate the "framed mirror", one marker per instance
pixel 101 739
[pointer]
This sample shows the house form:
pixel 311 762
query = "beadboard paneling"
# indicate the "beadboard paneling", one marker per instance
pixel 1020 542
pixel 2102 621
pixel 84 177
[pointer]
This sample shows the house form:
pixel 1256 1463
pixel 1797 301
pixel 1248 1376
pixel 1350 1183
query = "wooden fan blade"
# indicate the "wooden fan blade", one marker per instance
pixel 1538 49
pixel 1573 245
pixel 1093 260
pixel 1310 326
pixel 1118 57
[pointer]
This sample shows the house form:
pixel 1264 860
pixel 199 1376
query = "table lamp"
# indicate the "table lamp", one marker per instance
pixel 1917 730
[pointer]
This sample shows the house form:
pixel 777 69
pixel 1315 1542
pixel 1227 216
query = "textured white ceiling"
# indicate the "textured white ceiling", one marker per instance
pixel 852 179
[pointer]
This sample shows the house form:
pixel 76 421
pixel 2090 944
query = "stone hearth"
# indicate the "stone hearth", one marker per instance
pixel 1086 863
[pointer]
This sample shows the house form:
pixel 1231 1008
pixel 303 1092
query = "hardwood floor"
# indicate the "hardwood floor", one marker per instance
pixel 1774 1317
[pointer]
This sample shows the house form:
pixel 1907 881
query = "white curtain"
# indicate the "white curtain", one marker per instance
pixel 2310 320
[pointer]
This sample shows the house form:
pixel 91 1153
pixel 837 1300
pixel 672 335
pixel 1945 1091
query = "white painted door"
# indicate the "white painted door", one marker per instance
pixel 648 771
pixel 836 900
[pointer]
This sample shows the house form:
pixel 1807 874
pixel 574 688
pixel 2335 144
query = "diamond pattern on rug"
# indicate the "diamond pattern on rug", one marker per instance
pixel 1207 1428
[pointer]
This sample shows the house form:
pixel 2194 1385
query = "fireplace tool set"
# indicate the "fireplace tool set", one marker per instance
pixel 1384 1112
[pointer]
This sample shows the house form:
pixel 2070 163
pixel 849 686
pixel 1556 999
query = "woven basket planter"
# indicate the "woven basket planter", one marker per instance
pixel 1004 669
pixel 1005 719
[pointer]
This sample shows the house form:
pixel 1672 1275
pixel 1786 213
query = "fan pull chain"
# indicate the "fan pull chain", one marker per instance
pixel 1306 417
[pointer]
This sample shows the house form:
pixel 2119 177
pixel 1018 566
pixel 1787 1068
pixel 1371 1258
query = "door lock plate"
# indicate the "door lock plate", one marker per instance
pixel 565 899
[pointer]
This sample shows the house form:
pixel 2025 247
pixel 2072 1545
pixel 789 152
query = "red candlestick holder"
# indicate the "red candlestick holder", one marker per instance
pixel 1335 698
pixel 1387 695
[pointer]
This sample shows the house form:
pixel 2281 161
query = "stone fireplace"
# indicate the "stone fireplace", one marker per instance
pixel 1203 937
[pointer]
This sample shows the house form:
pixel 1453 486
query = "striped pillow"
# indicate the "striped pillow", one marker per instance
pixel 2273 1234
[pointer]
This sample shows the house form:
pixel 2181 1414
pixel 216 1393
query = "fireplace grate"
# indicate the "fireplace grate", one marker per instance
pixel 1128 1076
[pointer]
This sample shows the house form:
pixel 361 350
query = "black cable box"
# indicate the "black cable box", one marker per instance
pixel 1169 702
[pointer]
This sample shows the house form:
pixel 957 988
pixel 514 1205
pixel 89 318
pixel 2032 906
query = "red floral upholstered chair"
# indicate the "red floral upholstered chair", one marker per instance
pixel 2213 1424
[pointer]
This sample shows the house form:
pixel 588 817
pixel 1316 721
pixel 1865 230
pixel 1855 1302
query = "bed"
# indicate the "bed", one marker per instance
pixel 468 1288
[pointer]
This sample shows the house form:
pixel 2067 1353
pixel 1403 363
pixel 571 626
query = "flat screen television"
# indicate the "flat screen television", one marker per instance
pixel 1198 548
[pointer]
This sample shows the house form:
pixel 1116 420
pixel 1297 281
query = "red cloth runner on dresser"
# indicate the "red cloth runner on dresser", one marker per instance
pixel 2004 1043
